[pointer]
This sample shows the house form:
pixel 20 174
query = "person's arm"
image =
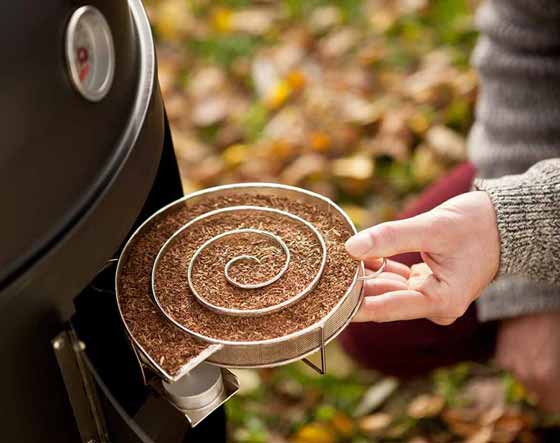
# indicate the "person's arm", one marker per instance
pixel 517 120
pixel 528 219
pixel 510 227
pixel 517 59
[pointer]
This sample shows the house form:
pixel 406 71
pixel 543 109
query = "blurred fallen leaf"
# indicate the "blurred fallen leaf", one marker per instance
pixel 295 79
pixel 288 124
pixel 206 81
pixel 339 42
pixel 484 435
pixel 256 21
pixel 221 19
pixel 446 143
pixel 375 423
pixel 356 109
pixel 302 167
pixel 278 94
pixel 358 167
pixel 509 426
pixel 375 396
pixel 210 111
pixel 235 154
pixel 342 424
pixel 173 20
pixel 425 406
pixel 319 141
pixel 382 19
pixel 426 166
pixel 265 76
pixel 324 18
pixel 412 6
pixel 314 433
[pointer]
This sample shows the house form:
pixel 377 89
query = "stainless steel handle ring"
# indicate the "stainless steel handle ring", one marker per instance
pixel 376 273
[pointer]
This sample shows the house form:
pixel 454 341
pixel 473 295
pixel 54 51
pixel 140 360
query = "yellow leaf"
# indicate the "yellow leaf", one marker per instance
pixel 314 433
pixel 222 19
pixel 279 94
pixel 419 123
pixel 234 155
pixel 343 425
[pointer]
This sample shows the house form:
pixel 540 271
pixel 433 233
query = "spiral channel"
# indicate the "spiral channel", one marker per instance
pixel 253 312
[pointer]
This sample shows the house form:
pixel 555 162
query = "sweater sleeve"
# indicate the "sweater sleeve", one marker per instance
pixel 528 217
pixel 518 62
pixel 518 125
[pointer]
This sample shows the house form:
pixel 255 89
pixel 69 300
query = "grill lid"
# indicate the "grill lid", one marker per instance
pixel 59 150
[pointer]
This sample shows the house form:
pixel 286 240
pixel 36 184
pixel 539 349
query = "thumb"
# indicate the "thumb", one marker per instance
pixel 391 238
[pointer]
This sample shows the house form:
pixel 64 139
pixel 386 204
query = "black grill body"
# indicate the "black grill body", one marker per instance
pixel 75 178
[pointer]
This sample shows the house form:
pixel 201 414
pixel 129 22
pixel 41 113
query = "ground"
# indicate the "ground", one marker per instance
pixel 367 102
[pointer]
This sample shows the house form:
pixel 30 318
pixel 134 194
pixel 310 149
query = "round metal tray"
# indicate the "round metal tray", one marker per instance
pixel 275 351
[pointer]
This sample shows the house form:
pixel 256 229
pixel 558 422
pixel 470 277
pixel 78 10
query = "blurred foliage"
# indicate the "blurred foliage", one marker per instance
pixel 367 102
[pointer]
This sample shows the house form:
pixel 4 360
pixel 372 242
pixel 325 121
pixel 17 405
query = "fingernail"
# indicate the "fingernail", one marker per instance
pixel 359 245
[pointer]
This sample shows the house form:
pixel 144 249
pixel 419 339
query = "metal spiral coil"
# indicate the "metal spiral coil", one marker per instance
pixel 256 311
pixel 231 280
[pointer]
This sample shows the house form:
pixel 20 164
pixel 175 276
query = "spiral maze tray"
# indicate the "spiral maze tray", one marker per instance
pixel 241 276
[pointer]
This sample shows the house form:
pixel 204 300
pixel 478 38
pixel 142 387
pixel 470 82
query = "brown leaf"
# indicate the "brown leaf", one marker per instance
pixel 324 18
pixel 302 167
pixel 339 42
pixel 375 423
pixel 484 435
pixel 342 424
pixel 255 21
pixel 446 143
pixel 425 406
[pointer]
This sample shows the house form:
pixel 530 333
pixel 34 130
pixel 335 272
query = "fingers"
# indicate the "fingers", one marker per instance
pixel 390 298
pixel 392 306
pixel 392 266
pixel 384 283
pixel 391 238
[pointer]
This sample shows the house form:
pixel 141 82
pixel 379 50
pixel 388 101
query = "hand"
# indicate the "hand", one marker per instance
pixel 529 347
pixel 460 246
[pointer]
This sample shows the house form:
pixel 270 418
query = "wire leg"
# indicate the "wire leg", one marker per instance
pixel 323 369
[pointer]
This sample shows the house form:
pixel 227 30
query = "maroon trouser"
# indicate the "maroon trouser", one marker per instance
pixel 410 348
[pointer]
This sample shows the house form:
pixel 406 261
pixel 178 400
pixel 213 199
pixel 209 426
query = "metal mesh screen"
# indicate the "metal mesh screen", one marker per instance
pixel 285 351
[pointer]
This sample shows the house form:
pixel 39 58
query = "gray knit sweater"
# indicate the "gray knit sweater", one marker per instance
pixel 517 127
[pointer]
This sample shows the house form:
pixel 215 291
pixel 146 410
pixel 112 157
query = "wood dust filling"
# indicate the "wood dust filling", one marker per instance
pixel 170 347
pixel 208 270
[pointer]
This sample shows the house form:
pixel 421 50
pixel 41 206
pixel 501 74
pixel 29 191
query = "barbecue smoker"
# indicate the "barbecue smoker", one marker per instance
pixel 86 167
pixel 86 156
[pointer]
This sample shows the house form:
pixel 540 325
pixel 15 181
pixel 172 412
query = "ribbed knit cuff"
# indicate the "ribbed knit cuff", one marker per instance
pixel 528 214
pixel 514 296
